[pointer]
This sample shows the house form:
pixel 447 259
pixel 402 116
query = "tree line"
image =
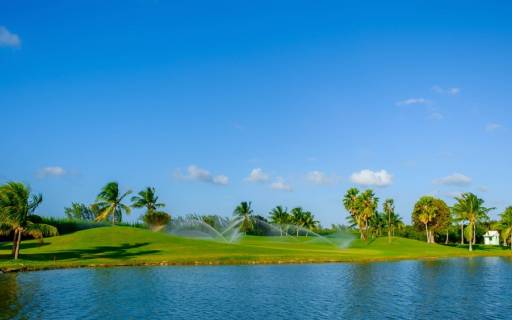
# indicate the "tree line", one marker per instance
pixel 430 214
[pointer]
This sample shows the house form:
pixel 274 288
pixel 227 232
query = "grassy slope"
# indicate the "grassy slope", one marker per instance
pixel 130 246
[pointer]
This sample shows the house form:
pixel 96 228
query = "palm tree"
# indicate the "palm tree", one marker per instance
pixel 109 203
pixel 425 212
pixel 471 207
pixel 244 211
pixel 147 198
pixel 368 205
pixel 17 208
pixel 389 209
pixel 297 217
pixel 308 221
pixel 279 216
pixel 506 225
pixel 351 204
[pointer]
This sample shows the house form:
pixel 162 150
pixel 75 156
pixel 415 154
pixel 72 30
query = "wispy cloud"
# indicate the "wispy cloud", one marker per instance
pixel 280 184
pixel 9 39
pixel 491 127
pixel 199 174
pixel 258 175
pixel 413 101
pixel 319 178
pixel 448 91
pixel 368 177
pixel 51 171
pixel 455 179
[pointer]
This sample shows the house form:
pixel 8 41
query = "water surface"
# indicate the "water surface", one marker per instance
pixel 450 289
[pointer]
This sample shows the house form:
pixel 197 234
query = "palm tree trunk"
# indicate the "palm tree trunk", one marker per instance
pixel 15 238
pixel 462 233
pixel 426 232
pixel 18 242
pixel 446 240
pixel 471 240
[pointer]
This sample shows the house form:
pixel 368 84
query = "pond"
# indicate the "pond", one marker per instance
pixel 475 288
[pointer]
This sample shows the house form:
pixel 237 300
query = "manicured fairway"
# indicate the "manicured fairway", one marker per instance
pixel 112 246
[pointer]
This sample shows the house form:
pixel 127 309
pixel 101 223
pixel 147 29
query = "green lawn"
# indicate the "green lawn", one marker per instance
pixel 112 246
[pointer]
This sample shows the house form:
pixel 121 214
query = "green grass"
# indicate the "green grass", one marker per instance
pixel 116 246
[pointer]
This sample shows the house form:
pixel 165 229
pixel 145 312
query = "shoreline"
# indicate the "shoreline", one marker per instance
pixel 21 267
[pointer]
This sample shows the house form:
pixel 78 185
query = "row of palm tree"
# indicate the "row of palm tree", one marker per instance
pixel 363 209
pixel 297 218
pixel 110 206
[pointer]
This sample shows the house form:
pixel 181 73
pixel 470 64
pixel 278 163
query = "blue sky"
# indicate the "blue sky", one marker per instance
pixel 408 99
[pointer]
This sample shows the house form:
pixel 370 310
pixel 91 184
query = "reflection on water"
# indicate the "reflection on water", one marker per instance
pixel 456 288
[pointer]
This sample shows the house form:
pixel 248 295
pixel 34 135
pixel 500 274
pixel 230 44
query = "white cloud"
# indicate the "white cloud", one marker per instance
pixel 368 177
pixel 490 127
pixel 449 91
pixel 413 101
pixel 199 174
pixel 54 171
pixel 318 177
pixel 220 179
pixel 456 179
pixel 8 39
pixel 434 115
pixel 258 175
pixel 279 184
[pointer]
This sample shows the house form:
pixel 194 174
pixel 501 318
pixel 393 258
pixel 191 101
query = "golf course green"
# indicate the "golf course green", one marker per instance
pixel 123 246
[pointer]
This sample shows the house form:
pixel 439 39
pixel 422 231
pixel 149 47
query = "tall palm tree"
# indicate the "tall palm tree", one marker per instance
pixel 147 198
pixel 506 225
pixel 297 217
pixel 470 206
pixel 308 221
pixel 425 212
pixel 351 204
pixel 389 209
pixel 109 203
pixel 368 205
pixel 279 216
pixel 17 207
pixel 244 211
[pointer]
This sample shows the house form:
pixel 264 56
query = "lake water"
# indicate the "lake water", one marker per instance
pixel 476 288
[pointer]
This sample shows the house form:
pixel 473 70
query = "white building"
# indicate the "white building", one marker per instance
pixel 492 238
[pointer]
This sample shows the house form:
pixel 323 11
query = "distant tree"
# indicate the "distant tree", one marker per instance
pixel 80 211
pixel 309 222
pixel 351 204
pixel 245 212
pixel 361 206
pixel 17 207
pixel 109 203
pixel 297 218
pixel 432 214
pixel 280 217
pixel 389 210
pixel 154 218
pixel 470 206
pixel 376 223
pixel 506 225
pixel 148 199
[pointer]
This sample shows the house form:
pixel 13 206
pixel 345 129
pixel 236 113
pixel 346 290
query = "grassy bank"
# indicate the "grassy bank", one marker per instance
pixel 116 246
